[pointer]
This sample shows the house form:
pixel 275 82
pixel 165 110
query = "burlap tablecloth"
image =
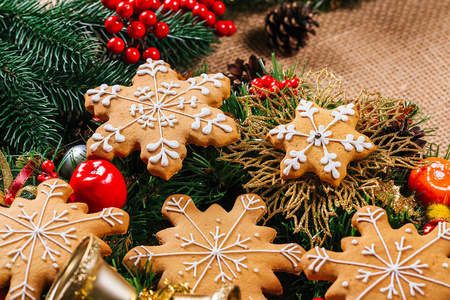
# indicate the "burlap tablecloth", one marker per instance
pixel 398 47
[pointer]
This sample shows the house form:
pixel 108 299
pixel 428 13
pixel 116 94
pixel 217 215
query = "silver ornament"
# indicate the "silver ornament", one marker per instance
pixel 71 160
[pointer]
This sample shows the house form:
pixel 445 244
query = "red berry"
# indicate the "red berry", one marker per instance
pixel 221 28
pixel 171 5
pixel 47 177
pixel 267 80
pixel 187 4
pixel 274 86
pixel 148 18
pixel 318 298
pixel 47 166
pixel 200 11
pixel 110 4
pixel 116 45
pixel 160 30
pixel 41 177
pixel 207 3
pixel 131 55
pixel 231 28
pixel 210 19
pixel 251 90
pixel 218 8
pixel 152 53
pixel 155 5
pixel 9 199
pixel 294 83
pixel 136 30
pixel 257 82
pixel 142 5
pixel 113 24
pixel 285 83
pixel 124 10
pixel 53 175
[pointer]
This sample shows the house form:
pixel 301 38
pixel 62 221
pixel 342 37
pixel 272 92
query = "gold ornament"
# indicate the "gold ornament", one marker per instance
pixel 308 197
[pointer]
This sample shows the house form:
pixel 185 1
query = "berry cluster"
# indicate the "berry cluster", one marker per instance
pixel 140 18
pixel 261 86
pixel 48 173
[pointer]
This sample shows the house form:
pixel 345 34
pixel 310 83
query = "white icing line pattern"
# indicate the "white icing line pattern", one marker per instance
pixel 158 108
pixel 215 247
pixel 321 136
pixel 35 232
pixel 397 269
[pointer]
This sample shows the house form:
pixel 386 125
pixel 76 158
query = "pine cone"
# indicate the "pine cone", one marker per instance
pixel 241 72
pixel 289 24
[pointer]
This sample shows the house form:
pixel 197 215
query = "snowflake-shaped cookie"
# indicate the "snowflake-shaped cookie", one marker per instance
pixel 159 114
pixel 38 237
pixel 211 248
pixel 384 263
pixel 321 141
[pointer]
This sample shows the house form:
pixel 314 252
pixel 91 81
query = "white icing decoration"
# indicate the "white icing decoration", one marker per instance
pixel 445 265
pixel 180 273
pixel 215 246
pixel 319 137
pixel 73 207
pixel 20 204
pixel 159 107
pixel 395 268
pixel 35 232
pixel 354 242
pixel 256 270
pixel 256 235
pixel 345 284
pixel 408 230
pixel 217 220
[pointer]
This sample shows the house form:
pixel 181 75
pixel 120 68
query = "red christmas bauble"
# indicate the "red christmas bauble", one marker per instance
pixel 171 5
pixel 113 24
pixel 124 9
pixel 99 184
pixel 136 30
pixel 218 8
pixel 116 45
pixel 152 53
pixel 207 3
pixel 200 11
pixel 431 183
pixel 131 55
pixel 187 4
pixel 110 4
pixel 221 28
pixel 231 28
pixel 47 166
pixel 160 30
pixel 148 18
pixel 9 199
pixel 210 19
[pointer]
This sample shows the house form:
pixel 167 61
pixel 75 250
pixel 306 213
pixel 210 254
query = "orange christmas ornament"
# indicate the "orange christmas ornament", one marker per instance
pixel 431 183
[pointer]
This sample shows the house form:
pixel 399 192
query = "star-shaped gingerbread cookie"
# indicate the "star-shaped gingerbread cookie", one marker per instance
pixel 321 141
pixel 158 115
pixel 38 236
pixel 211 248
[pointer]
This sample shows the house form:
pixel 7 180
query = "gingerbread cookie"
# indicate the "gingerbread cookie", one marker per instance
pixel 38 237
pixel 384 263
pixel 158 115
pixel 211 248
pixel 321 141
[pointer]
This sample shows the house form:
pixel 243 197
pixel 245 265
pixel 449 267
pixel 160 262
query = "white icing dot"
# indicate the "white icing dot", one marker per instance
pixel 8 266
pixel 55 265
pixel 355 242
pixel 256 235
pixel 217 220
pixel 345 284
pixel 408 230
pixel 177 235
pixel 181 273
pixel 20 204
pixel 445 265
pixel 256 270
pixel 73 207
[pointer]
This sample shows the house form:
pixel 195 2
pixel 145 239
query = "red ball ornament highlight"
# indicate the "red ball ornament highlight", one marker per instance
pixel 187 4
pixel 210 19
pixel 152 53
pixel 231 28
pixel 136 30
pixel 99 184
pixel 148 18
pixel 110 4
pixel 221 28
pixel 431 183
pixel 47 166
pixel 160 30
pixel 113 24
pixel 131 55
pixel 218 8
pixel 124 9
pixel 116 45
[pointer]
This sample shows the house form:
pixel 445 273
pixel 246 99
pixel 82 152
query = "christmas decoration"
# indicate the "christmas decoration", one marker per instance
pixel 213 247
pixel 383 262
pixel 99 184
pixel 159 115
pixel 430 226
pixel 438 212
pixel 40 235
pixel 71 159
pixel 289 24
pixel 47 167
pixel 241 72
pixel 302 199
pixel 431 183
